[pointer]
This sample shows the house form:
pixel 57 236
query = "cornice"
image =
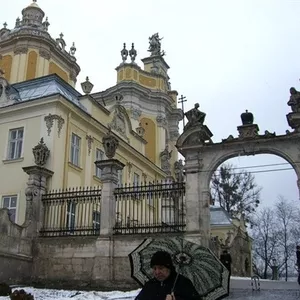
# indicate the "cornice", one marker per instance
pixel 41 37
pixel 139 69
pixel 132 88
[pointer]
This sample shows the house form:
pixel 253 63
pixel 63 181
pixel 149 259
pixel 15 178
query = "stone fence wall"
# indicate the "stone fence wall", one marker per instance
pixel 15 251
pixel 85 262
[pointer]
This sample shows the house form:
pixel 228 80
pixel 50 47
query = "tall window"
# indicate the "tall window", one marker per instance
pixel 136 179
pixel 10 202
pixel 71 215
pixel 15 143
pixel 75 149
pixel 99 156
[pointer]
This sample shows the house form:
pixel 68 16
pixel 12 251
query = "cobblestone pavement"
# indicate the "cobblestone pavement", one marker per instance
pixel 264 295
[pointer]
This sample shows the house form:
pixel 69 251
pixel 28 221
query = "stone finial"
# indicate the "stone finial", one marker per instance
pixel 247 118
pixel 61 42
pixel 87 86
pixel 73 49
pixel 18 22
pixel 124 53
pixel 46 24
pixel 41 153
pixel 132 53
pixel 110 144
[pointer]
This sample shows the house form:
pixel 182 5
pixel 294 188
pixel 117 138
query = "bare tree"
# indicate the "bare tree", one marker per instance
pixel 236 192
pixel 285 217
pixel 264 240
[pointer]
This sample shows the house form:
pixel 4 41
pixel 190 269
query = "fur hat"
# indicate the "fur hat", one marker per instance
pixel 162 258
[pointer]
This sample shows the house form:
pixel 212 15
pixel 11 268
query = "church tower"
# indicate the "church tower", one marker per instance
pixel 149 101
pixel 28 51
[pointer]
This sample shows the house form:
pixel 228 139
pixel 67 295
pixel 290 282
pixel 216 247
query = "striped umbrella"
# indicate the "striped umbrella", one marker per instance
pixel 198 263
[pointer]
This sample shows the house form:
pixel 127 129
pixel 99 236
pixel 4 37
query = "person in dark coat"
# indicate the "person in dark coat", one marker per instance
pixel 226 260
pixel 298 262
pixel 167 284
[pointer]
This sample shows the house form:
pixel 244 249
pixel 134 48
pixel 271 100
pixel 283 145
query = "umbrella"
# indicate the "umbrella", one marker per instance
pixel 198 263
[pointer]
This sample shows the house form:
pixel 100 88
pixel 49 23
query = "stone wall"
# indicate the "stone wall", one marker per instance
pixel 85 262
pixel 15 251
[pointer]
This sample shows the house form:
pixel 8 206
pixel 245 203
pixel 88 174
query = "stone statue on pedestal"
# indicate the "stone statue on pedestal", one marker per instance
pixel 294 101
pixel 178 170
pixel 165 157
pixel 195 117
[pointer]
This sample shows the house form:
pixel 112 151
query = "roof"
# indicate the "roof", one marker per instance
pixel 47 86
pixel 219 217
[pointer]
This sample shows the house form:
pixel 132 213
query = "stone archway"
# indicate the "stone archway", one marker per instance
pixel 203 156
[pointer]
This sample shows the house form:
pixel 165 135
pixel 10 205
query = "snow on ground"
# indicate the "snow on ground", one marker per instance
pixel 46 294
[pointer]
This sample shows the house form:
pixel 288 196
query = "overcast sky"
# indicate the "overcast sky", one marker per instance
pixel 227 55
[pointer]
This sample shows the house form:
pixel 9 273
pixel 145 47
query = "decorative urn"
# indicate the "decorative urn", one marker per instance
pixel 110 144
pixel 247 118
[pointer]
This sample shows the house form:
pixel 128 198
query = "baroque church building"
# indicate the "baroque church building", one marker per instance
pixel 41 109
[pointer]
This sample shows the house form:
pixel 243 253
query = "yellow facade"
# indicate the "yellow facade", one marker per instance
pixel 61 123
pixel 6 65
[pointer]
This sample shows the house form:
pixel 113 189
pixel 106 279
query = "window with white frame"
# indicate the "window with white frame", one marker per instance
pixel 10 202
pixel 99 156
pixel 75 150
pixel 15 143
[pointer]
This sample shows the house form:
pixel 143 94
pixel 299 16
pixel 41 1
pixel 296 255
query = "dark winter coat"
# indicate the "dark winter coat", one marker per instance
pixel 157 290
pixel 226 260
pixel 298 257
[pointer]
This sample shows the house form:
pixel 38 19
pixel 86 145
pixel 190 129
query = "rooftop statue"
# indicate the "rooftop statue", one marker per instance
pixel 294 101
pixel 155 45
pixel 195 117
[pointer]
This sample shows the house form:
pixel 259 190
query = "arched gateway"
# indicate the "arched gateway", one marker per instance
pixel 203 156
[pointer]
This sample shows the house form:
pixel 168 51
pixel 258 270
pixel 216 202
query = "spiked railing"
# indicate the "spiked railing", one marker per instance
pixel 74 211
pixel 154 207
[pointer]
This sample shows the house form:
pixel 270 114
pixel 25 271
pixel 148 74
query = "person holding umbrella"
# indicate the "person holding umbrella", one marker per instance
pixel 167 284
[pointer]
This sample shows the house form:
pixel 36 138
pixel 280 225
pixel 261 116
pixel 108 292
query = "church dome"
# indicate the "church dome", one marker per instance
pixel 32 15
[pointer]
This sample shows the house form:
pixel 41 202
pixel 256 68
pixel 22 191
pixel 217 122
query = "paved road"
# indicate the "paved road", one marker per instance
pixel 273 290
pixel 265 295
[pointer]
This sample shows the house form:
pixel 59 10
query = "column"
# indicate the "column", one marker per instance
pixel 36 187
pixel 109 178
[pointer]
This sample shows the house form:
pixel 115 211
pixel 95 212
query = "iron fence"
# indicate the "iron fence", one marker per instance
pixel 150 208
pixel 72 212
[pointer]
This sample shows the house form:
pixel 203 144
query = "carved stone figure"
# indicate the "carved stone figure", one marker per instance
pixel 155 45
pixel 178 170
pixel 50 121
pixel 110 144
pixel 41 153
pixel 294 101
pixel 165 157
pixel 8 95
pixel 269 134
pixel 195 117
pixel 135 113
